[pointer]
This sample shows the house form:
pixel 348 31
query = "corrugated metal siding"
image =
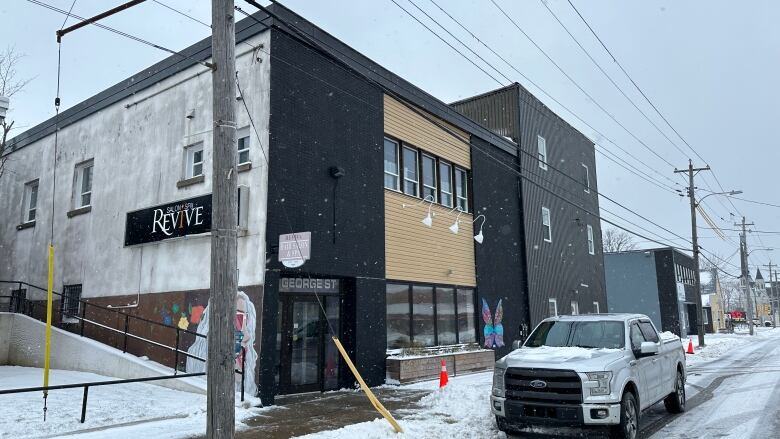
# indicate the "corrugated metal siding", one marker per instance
pixel 498 111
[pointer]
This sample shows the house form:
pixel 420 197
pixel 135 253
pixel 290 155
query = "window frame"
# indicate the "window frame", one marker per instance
pixel 587 177
pixel 591 240
pixel 189 157
pixel 541 148
pixel 435 187
pixel 398 159
pixel 404 148
pixel 69 311
pixel 78 183
pixel 547 226
pixel 464 186
pixel 450 183
pixel 575 308
pixel 554 302
pixel 597 307
pixel 243 133
pixel 27 207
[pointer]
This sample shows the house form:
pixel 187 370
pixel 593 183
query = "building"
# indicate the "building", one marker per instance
pixel 562 278
pixel 656 282
pixel 411 210
pixel 713 298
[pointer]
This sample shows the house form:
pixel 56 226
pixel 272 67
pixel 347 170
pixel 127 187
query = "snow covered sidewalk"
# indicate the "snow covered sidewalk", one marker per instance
pixel 717 345
pixel 147 410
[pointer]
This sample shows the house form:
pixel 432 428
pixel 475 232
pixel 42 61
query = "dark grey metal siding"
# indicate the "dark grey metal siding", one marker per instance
pixel 632 286
pixel 497 110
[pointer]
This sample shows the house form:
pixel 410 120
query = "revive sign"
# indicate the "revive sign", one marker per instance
pixel 181 218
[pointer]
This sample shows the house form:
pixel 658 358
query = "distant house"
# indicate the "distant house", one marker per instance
pixel 712 300
pixel 657 282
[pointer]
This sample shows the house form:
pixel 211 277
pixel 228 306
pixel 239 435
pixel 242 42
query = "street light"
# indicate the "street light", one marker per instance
pixel 729 193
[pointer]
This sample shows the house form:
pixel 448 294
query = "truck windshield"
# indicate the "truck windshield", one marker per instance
pixel 581 334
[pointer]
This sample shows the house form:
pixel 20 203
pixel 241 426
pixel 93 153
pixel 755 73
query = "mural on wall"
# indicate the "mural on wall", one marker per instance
pixel 494 329
pixel 182 318
pixel 245 325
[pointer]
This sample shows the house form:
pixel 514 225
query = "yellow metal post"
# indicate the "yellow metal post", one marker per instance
pixel 375 402
pixel 47 352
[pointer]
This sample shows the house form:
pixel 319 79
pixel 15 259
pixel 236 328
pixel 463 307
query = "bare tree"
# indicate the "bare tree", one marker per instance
pixel 10 84
pixel 616 240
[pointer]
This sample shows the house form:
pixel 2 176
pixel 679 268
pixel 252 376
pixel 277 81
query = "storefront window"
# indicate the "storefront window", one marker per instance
pixel 446 327
pixel 422 309
pixel 466 331
pixel 398 317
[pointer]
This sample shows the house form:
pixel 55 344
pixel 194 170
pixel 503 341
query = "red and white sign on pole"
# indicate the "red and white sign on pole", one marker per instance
pixel 294 249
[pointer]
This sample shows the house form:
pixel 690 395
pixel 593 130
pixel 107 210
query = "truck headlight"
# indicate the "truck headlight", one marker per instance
pixel 600 383
pixel 498 381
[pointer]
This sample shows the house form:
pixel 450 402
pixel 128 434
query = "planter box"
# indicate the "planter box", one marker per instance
pixel 401 370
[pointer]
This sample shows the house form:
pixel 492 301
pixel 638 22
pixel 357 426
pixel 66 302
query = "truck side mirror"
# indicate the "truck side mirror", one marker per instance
pixel 648 348
pixel 517 344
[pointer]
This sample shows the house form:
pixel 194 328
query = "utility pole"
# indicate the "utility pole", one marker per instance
pixel 224 283
pixel 691 171
pixel 744 263
pixel 772 298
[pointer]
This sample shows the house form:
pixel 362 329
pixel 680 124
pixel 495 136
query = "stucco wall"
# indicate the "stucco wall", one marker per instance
pixel 138 149
pixel 25 341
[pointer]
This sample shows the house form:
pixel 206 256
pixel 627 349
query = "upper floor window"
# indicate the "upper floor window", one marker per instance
pixel 461 189
pixel 586 177
pixel 391 165
pixel 547 224
pixel 411 172
pixel 82 195
pixel 596 308
pixel 243 146
pixel 541 145
pixel 575 308
pixel 193 160
pixel 30 201
pixel 445 183
pixel 591 244
pixel 429 178
pixel 552 307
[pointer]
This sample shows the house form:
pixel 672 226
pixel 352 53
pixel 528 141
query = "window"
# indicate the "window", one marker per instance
pixel 446 324
pixel 30 201
pixel 429 178
pixel 398 316
pixel 648 331
pixel 586 177
pixel 445 183
pixel 466 331
pixel 575 308
pixel 552 307
pixel 427 315
pixel 596 308
pixel 423 329
pixel 591 246
pixel 391 165
pixel 18 300
pixel 243 146
pixel 547 224
pixel 542 147
pixel 83 185
pixel 705 317
pixel 636 337
pixel 461 189
pixel 71 295
pixel 411 177
pixel 194 160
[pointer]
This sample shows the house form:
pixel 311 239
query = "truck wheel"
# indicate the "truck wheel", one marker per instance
pixel 675 402
pixel 629 419
pixel 507 427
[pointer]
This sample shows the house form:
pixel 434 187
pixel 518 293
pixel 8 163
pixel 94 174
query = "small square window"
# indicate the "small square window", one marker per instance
pixel 541 145
pixel 71 298
pixel 82 188
pixel 30 201
pixel 552 307
pixel 243 146
pixel 547 224
pixel 193 160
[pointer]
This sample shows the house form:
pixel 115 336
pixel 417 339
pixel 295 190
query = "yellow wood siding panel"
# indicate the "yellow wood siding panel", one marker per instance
pixel 404 124
pixel 414 252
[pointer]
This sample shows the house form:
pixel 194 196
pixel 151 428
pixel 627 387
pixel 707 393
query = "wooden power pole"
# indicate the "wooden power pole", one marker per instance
pixel 745 272
pixel 224 282
pixel 691 171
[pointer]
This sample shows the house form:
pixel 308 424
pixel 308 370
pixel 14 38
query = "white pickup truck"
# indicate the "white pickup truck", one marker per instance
pixel 598 370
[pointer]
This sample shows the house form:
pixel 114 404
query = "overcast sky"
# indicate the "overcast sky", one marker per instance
pixel 710 66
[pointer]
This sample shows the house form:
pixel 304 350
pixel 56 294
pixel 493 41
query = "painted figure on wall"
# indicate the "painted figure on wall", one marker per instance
pixel 494 329
pixel 245 325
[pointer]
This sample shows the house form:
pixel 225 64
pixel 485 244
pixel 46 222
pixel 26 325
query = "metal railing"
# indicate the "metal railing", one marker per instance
pixel 24 305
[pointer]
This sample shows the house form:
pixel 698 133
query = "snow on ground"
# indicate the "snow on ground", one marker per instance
pixel 716 345
pixel 460 410
pixel 175 414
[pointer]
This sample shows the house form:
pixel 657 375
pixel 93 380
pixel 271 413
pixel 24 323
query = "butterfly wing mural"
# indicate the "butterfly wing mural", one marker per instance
pixel 494 329
pixel 498 328
pixel 489 331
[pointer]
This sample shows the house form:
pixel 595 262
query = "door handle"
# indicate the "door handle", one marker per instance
pixel 632 363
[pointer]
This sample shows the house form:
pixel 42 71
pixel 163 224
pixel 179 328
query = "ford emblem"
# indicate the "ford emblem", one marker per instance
pixel 538 384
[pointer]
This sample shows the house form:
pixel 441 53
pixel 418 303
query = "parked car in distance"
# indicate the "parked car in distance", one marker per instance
pixel 599 370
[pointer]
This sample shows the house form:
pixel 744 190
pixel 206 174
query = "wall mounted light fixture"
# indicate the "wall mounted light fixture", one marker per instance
pixel 428 220
pixel 455 226
pixel 479 237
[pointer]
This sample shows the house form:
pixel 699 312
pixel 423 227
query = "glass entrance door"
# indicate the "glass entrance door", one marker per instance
pixel 305 346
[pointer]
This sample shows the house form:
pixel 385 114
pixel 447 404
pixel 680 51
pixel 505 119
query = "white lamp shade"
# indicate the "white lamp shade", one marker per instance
pixel 479 237
pixel 428 220
pixel 454 227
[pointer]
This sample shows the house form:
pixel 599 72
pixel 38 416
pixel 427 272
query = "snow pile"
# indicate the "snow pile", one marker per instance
pixel 667 336
pixel 559 354
pixel 147 410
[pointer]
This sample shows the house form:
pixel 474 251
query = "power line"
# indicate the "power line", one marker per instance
pixel 182 13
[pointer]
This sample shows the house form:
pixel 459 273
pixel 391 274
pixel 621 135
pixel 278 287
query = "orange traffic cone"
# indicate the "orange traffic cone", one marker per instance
pixel 443 377
pixel 690 347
